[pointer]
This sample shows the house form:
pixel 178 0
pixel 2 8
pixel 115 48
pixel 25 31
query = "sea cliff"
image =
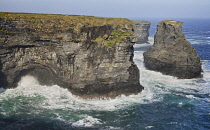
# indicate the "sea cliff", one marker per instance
pixel 171 53
pixel 91 56
pixel 141 30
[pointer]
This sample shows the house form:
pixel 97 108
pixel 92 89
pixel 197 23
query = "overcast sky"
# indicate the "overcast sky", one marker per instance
pixel 113 8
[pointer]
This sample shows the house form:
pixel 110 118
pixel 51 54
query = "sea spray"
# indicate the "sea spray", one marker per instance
pixel 57 97
pixel 55 102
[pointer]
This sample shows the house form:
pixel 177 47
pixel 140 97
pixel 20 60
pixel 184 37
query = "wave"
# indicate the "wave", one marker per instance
pixel 56 102
pixel 87 121
pixel 151 39
pixel 201 41
pixel 56 97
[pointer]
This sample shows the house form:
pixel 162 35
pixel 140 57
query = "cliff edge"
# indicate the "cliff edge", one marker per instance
pixel 171 53
pixel 91 56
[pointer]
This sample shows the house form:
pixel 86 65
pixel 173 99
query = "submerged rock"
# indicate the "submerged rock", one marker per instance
pixel 91 56
pixel 141 30
pixel 171 53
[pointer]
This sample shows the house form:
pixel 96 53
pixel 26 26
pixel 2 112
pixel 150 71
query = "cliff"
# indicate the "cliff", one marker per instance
pixel 141 30
pixel 171 53
pixel 91 56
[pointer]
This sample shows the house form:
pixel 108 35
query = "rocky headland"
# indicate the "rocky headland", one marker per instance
pixel 141 30
pixel 171 53
pixel 91 56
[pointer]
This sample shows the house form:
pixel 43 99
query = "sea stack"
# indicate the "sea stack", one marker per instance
pixel 141 30
pixel 90 56
pixel 171 53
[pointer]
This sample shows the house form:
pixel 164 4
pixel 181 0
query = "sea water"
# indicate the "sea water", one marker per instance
pixel 166 103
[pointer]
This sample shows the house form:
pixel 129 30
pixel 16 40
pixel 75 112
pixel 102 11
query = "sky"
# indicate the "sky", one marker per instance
pixel 113 8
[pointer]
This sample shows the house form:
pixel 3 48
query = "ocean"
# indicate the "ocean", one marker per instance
pixel 166 103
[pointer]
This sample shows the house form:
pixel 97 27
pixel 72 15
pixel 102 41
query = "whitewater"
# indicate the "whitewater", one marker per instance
pixel 165 103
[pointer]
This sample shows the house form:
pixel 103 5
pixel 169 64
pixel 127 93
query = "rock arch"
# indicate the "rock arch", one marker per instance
pixel 44 75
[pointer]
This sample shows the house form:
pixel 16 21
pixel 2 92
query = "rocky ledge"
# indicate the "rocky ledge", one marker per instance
pixel 141 30
pixel 171 53
pixel 91 56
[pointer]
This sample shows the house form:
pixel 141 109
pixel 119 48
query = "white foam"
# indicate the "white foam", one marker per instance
pixel 173 123
pixel 149 127
pixel 192 41
pixel 151 40
pixel 87 121
pixel 61 98
pixel 56 97
pixel 28 80
pixel 110 128
pixel 190 96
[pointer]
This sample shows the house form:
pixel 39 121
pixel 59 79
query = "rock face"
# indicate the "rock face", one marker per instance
pixel 171 53
pixel 91 56
pixel 141 31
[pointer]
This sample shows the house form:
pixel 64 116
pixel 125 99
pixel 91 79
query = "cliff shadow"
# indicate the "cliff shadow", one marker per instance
pixel 3 78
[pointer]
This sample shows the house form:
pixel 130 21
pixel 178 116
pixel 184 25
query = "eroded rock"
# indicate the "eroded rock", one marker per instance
pixel 91 56
pixel 141 30
pixel 171 53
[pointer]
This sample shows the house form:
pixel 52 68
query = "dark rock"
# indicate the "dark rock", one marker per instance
pixel 90 60
pixel 171 53
pixel 141 30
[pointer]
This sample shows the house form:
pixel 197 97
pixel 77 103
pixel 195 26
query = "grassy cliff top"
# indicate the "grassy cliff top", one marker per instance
pixel 172 22
pixel 70 19
pixel 141 22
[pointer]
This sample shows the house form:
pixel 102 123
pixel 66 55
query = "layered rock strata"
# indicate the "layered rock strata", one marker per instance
pixel 141 30
pixel 91 56
pixel 171 53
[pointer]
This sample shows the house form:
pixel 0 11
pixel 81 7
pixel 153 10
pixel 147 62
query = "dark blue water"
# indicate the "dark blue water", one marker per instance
pixel 166 103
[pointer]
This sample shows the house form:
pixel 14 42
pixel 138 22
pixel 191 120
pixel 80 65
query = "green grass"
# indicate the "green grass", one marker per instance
pixel 117 36
pixel 52 22
pixel 110 42
pixel 2 15
pixel 121 33
pixel 172 22
pixel 5 31
pixel 70 19
pixel 71 29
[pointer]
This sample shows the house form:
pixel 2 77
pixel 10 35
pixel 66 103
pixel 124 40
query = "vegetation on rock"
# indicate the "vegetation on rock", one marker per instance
pixel 44 22
pixel 117 36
